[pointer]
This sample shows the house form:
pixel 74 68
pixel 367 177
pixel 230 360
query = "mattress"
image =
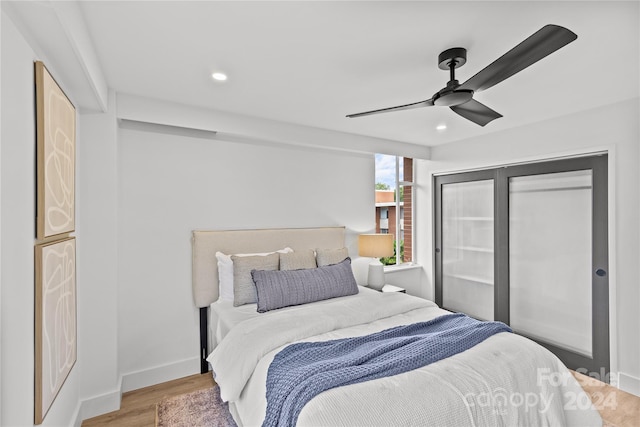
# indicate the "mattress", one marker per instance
pixel 223 316
pixel 505 380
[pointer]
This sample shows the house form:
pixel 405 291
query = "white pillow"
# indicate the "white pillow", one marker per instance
pixel 225 272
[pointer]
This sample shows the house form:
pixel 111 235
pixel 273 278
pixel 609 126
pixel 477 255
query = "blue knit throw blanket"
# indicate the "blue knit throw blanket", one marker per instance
pixel 301 371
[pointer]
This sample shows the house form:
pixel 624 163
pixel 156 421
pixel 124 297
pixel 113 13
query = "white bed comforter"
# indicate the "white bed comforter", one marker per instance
pixel 506 380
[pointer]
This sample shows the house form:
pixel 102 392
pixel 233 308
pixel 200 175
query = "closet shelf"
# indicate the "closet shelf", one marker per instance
pixel 473 218
pixel 471 248
pixel 470 278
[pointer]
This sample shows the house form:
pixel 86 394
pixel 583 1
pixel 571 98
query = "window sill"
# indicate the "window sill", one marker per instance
pixel 401 267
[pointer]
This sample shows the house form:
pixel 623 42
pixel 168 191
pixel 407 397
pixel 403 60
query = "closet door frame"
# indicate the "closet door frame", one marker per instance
pixel 439 182
pixel 598 164
pixel 599 256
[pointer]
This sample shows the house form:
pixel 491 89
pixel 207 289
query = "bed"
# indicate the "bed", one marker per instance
pixel 504 380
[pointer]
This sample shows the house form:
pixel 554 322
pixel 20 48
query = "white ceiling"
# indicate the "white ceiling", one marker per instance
pixel 311 63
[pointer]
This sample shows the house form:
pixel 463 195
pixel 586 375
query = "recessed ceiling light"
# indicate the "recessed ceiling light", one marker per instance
pixel 219 76
pixel 441 127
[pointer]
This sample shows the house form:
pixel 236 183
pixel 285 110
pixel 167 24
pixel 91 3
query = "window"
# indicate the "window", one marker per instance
pixel 394 202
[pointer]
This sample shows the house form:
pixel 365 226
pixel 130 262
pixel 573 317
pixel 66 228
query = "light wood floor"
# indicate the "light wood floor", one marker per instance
pixel 617 408
pixel 138 407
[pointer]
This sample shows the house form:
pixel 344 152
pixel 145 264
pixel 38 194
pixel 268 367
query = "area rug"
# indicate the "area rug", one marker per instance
pixel 199 408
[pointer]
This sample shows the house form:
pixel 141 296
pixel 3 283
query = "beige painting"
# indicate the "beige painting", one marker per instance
pixel 55 320
pixel 56 152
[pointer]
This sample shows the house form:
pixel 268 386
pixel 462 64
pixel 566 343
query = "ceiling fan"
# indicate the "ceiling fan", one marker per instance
pixel 459 97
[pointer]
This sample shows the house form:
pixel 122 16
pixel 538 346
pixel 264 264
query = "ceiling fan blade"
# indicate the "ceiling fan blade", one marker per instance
pixel 427 103
pixel 476 112
pixel 542 43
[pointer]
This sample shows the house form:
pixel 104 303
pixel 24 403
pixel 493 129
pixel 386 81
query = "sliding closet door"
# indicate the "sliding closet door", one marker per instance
pixel 528 245
pixel 556 258
pixel 466 255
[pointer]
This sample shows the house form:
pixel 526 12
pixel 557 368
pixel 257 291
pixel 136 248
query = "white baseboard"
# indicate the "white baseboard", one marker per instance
pixel 76 419
pixel 98 405
pixel 629 384
pixel 160 374
pixel 101 404
pixel 109 402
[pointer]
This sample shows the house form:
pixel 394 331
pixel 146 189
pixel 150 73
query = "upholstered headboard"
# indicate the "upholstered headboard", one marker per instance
pixel 206 243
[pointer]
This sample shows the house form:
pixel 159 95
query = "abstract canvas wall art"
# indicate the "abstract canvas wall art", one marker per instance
pixel 56 152
pixel 55 320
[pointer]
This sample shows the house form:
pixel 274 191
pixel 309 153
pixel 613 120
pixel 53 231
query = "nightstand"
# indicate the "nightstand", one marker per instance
pixel 392 288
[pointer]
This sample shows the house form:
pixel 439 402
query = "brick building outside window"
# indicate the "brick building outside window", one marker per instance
pixel 388 209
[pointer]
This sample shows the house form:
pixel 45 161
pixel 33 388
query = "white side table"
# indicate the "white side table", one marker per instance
pixel 392 288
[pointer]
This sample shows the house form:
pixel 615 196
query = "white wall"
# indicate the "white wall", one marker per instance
pixel 18 150
pixel 409 278
pixel 18 236
pixel 172 184
pixel 0 223
pixel 614 128
pixel 97 263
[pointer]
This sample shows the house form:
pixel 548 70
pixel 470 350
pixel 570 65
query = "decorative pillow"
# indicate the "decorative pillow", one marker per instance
pixel 330 256
pixel 297 260
pixel 244 290
pixel 225 272
pixel 277 289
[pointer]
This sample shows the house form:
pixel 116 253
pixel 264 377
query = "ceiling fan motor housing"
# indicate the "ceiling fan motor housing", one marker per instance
pixel 449 98
pixel 451 59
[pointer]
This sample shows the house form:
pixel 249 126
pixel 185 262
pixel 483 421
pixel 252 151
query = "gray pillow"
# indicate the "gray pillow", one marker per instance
pixel 297 260
pixel 244 290
pixel 330 256
pixel 277 289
